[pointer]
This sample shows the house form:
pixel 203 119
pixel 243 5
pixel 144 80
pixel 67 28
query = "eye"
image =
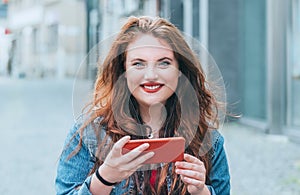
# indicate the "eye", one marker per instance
pixel 164 63
pixel 138 64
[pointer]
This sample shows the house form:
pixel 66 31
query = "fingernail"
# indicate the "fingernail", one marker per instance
pixel 145 145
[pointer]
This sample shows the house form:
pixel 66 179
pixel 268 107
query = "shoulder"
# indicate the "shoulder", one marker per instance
pixel 91 133
pixel 219 175
pixel 217 142
pixel 92 130
pixel 217 138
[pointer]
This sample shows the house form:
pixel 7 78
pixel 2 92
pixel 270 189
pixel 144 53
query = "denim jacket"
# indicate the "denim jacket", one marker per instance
pixel 73 174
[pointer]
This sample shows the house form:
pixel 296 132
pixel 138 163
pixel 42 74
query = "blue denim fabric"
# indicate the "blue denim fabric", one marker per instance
pixel 73 174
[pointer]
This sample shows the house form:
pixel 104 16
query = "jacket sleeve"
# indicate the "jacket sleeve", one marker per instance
pixel 72 173
pixel 219 175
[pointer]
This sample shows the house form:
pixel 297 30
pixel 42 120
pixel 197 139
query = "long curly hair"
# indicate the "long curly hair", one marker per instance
pixel 191 116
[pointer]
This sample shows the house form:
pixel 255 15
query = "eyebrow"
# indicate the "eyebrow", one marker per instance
pixel 138 59
pixel 165 58
pixel 161 59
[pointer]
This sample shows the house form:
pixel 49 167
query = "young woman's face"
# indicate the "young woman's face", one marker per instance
pixel 151 70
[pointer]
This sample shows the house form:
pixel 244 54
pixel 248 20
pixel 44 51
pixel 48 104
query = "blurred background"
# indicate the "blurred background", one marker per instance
pixel 255 43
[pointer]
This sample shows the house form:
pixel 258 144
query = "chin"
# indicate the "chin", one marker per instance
pixel 152 102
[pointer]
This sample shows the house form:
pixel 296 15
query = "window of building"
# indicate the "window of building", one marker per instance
pixel 293 117
pixel 35 41
pixel 196 17
pixel 253 33
pixel 53 37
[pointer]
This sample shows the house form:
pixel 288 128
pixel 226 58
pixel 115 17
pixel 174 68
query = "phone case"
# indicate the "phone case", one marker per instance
pixel 165 149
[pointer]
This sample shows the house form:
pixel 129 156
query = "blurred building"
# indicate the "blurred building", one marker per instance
pixel 255 44
pixel 104 18
pixel 50 36
pixel 5 40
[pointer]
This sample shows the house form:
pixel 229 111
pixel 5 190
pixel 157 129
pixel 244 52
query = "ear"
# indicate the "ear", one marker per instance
pixel 180 73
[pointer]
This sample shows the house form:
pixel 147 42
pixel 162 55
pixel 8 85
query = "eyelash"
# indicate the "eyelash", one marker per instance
pixel 138 64
pixel 141 64
pixel 165 63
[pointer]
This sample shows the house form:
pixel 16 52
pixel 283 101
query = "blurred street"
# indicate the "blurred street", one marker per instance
pixel 260 163
pixel 37 114
pixel 35 117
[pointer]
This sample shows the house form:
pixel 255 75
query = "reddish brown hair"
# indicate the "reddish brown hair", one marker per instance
pixel 111 93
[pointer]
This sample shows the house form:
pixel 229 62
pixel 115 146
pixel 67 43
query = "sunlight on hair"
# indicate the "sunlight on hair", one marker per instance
pixel 83 90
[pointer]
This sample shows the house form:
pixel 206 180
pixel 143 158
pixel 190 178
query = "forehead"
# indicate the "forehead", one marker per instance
pixel 148 44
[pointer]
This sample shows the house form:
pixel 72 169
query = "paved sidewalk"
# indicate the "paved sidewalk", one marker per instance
pixel 260 163
pixel 36 115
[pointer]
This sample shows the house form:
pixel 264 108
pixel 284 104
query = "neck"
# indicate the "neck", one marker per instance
pixel 154 116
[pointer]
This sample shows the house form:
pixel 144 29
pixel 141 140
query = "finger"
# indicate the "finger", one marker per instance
pixel 189 166
pixel 189 161
pixel 194 182
pixel 191 174
pixel 192 159
pixel 139 161
pixel 117 148
pixel 128 157
pixel 136 163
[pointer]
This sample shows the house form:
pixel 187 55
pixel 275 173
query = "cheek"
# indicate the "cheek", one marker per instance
pixel 133 81
pixel 172 79
pixel 174 84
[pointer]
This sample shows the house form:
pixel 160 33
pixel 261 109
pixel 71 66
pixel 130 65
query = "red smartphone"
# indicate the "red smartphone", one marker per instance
pixel 165 149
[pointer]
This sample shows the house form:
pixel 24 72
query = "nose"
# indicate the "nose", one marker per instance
pixel 151 73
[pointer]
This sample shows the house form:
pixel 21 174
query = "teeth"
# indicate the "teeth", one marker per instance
pixel 151 87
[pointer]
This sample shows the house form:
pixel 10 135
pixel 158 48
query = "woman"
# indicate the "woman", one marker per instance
pixel 150 85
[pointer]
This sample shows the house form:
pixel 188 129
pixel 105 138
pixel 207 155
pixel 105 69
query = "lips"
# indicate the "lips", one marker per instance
pixel 151 87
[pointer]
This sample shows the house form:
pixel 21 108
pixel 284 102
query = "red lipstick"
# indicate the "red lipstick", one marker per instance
pixel 151 87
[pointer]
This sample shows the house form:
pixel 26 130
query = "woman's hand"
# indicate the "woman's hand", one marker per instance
pixel 117 166
pixel 192 172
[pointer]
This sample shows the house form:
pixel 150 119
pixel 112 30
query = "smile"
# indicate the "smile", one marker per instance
pixel 151 88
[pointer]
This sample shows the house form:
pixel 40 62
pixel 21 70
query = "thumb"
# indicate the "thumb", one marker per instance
pixel 117 148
